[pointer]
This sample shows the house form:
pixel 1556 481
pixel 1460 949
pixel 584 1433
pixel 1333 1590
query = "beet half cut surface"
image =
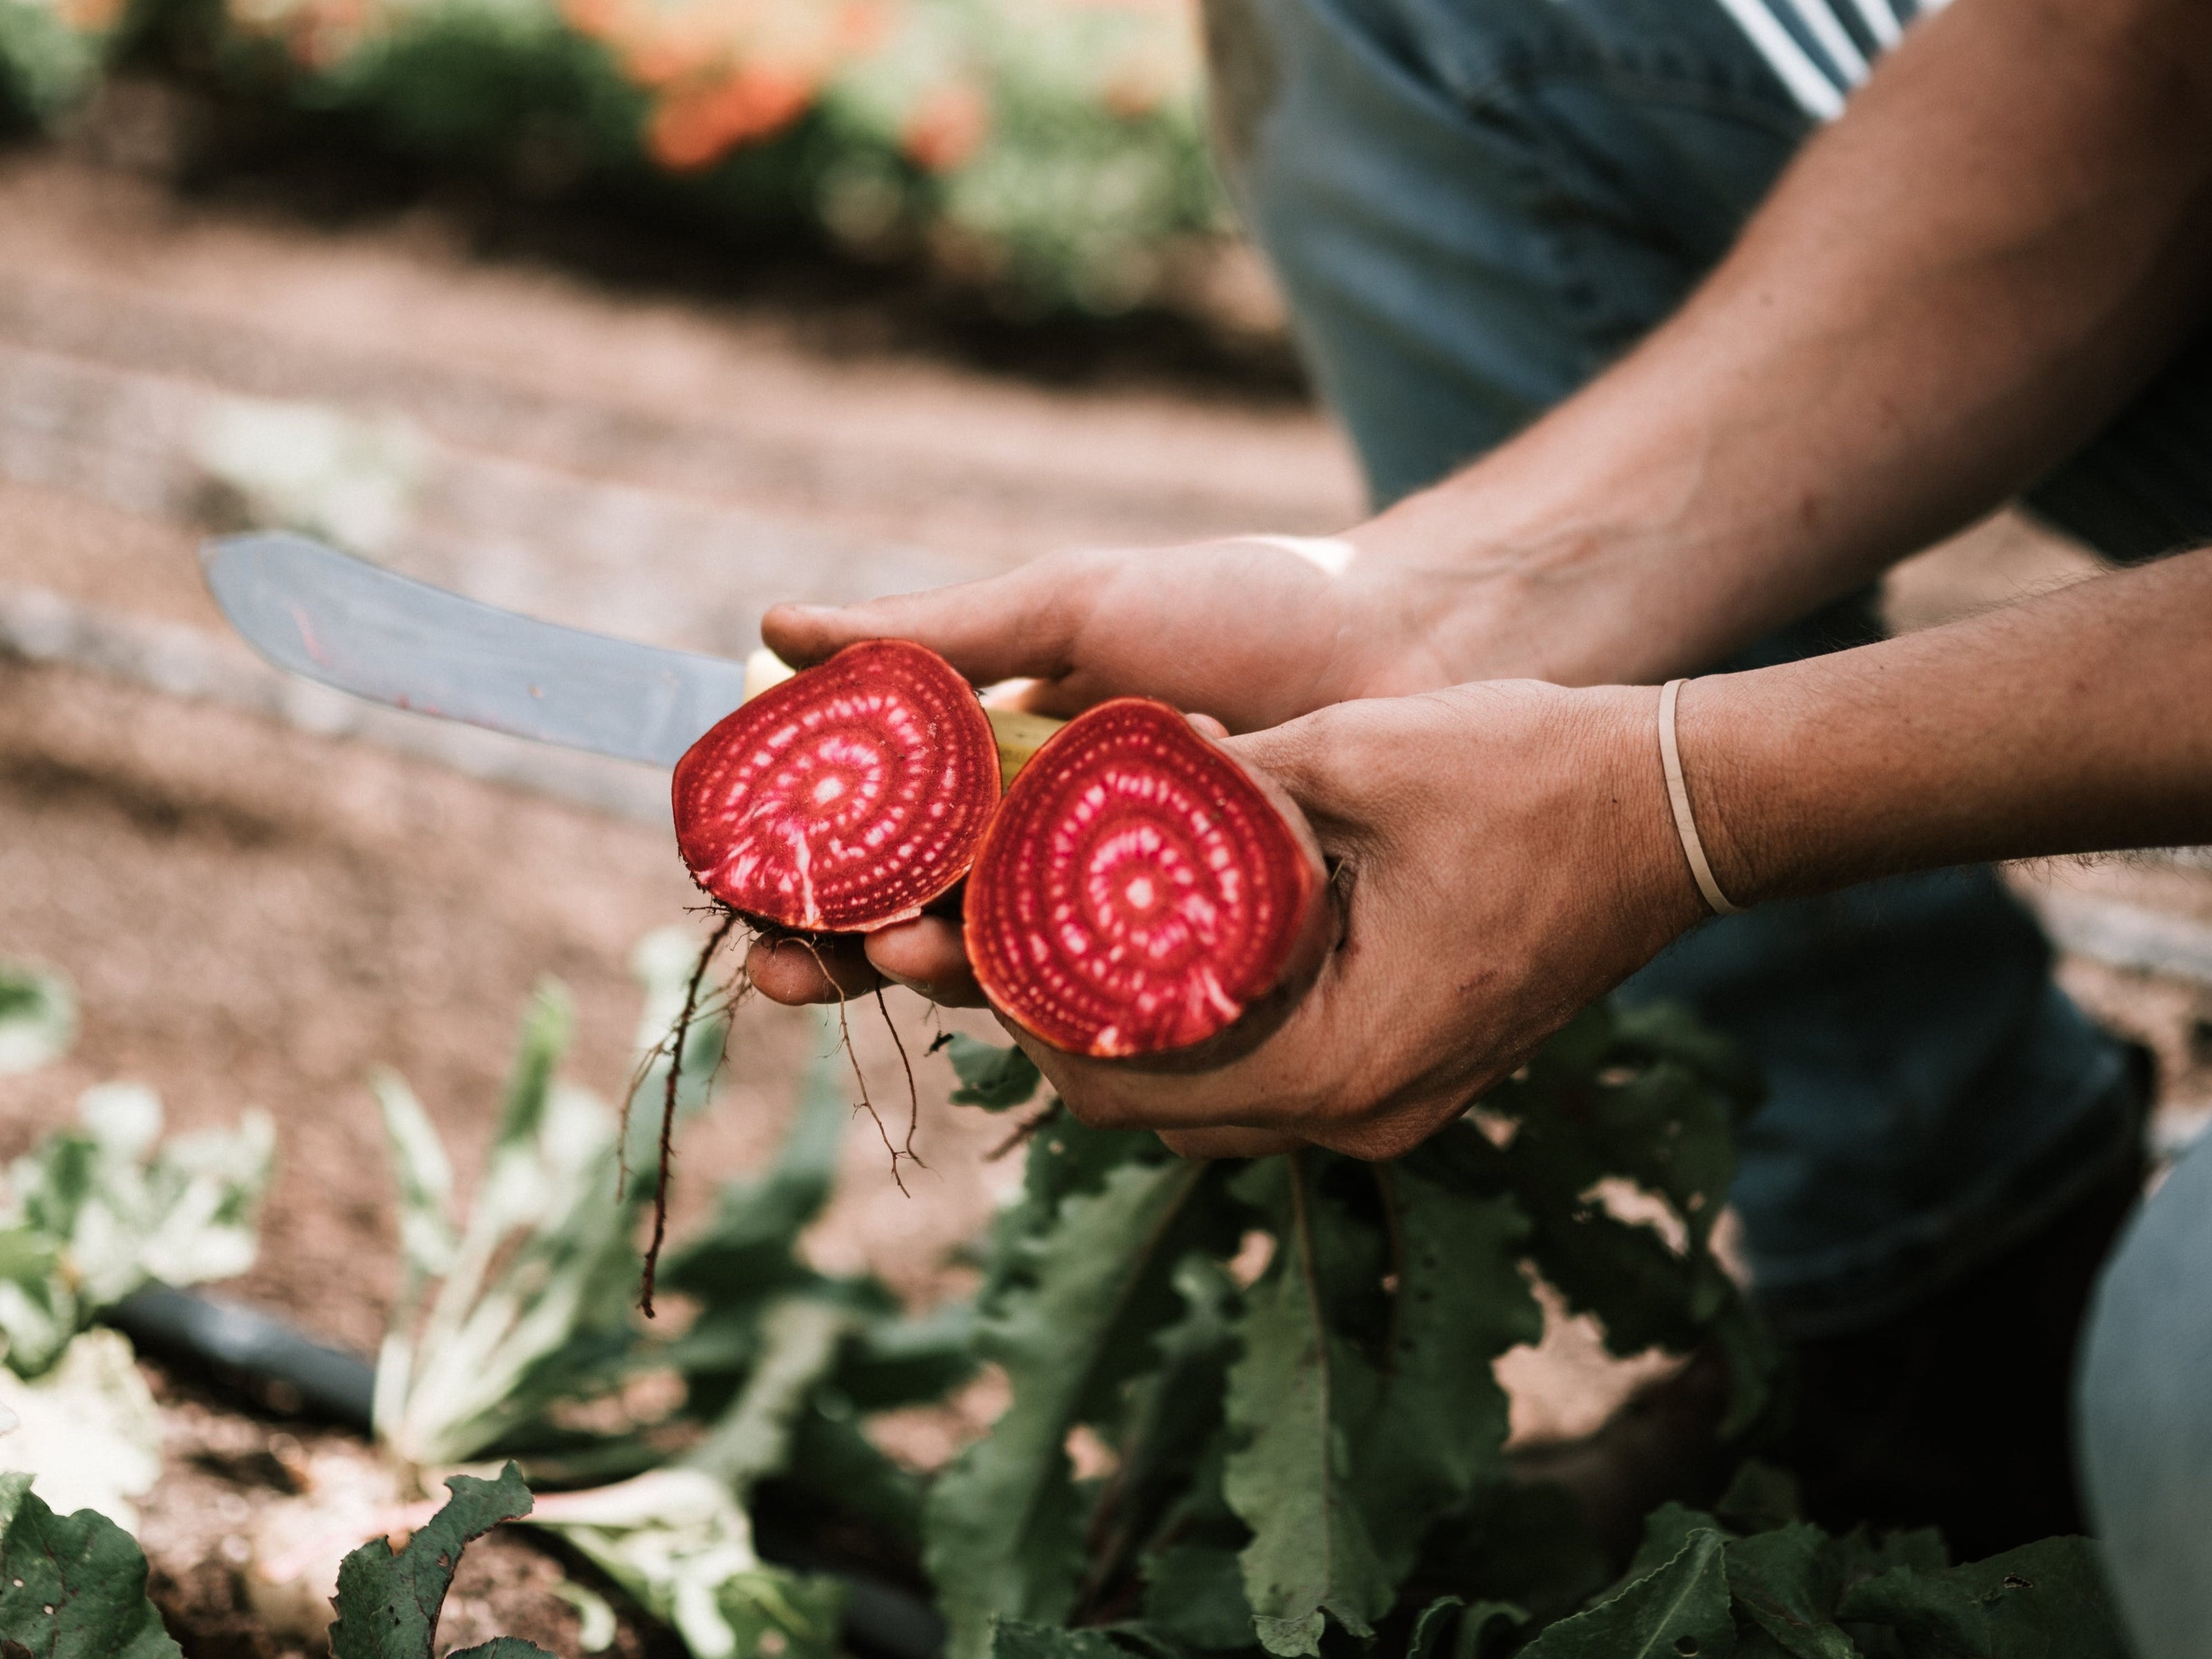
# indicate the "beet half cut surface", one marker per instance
pixel 845 798
pixel 1138 892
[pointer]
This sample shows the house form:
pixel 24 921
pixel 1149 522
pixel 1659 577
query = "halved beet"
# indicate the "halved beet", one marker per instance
pixel 845 798
pixel 1140 893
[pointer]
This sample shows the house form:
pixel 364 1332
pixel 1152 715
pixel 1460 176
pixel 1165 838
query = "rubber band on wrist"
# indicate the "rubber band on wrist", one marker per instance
pixel 1678 795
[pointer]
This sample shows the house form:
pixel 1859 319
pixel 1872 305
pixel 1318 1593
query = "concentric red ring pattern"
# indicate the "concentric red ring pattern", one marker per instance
pixel 1135 891
pixel 845 798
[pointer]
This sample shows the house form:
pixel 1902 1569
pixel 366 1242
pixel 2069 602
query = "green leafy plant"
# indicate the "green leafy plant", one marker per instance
pixel 516 1335
pixel 525 1304
pixel 781 1363
pixel 75 1586
pixel 86 1428
pixel 1319 1445
pixel 1753 1580
pixel 92 1213
pixel 51 53
pixel 72 1587
pixel 89 1215
pixel 388 1603
pixel 37 1016
pixel 678 1539
pixel 1052 151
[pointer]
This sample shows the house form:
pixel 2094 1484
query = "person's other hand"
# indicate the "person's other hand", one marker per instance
pixel 1504 854
pixel 1253 631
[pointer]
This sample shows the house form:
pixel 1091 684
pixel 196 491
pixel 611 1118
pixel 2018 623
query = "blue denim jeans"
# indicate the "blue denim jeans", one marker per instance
pixel 2145 1416
pixel 1474 205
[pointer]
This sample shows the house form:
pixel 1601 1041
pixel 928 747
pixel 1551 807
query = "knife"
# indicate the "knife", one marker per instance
pixel 316 611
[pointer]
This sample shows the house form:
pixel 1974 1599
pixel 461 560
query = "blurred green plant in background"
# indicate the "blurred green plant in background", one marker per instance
pixel 50 54
pixel 1049 149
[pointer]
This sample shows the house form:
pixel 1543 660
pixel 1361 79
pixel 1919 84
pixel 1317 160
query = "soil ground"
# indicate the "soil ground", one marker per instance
pixel 258 914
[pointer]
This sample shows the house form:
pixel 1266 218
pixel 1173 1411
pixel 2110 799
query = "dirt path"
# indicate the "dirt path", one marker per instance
pixel 653 466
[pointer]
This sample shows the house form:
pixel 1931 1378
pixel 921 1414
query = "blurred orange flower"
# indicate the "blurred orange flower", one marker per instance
pixel 727 72
pixel 696 125
pixel 91 16
pixel 946 127
pixel 314 33
pixel 324 32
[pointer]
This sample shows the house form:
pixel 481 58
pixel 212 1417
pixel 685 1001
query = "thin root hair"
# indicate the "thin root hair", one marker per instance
pixel 866 1101
pixel 676 1040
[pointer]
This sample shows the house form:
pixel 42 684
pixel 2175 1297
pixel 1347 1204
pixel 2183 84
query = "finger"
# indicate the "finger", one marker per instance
pixel 1206 726
pixel 786 968
pixel 1296 757
pixel 926 955
pixel 1290 1078
pixel 1228 1143
pixel 1019 625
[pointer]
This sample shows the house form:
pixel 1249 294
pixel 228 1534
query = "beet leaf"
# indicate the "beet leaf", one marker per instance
pixel 1068 1315
pixel 388 1604
pixel 91 1213
pixel 72 1587
pixel 991 1077
pixel 1317 1435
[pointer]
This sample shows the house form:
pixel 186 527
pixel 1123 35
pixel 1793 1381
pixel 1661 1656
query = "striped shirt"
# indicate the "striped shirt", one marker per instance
pixel 1822 49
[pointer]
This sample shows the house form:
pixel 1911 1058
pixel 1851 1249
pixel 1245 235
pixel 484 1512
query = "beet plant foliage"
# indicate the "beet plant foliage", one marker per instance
pixel 1754 1581
pixel 93 1211
pixel 1315 1450
pixel 516 1318
pixel 73 1587
pixel 388 1600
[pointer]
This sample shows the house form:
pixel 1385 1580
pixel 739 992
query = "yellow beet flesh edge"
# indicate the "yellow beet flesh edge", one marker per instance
pixel 1019 734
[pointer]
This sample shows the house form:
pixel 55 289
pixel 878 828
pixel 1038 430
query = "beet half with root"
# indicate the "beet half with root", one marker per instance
pixel 845 798
pixel 1139 894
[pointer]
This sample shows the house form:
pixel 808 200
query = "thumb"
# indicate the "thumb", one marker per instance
pixel 1021 625
pixel 1299 758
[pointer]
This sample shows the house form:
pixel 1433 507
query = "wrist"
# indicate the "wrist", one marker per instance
pixel 1773 825
pixel 1493 596
pixel 1511 577
pixel 1608 745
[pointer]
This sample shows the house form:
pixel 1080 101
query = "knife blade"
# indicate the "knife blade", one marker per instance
pixel 316 611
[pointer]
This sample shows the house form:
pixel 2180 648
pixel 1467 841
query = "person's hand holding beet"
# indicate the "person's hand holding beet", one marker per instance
pixel 1473 835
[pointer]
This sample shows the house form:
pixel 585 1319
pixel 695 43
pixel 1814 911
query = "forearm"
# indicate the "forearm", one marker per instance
pixel 1949 291
pixel 2074 723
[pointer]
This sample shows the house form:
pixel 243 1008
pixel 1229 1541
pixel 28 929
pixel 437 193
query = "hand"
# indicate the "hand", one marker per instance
pixel 1250 631
pixel 1505 855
